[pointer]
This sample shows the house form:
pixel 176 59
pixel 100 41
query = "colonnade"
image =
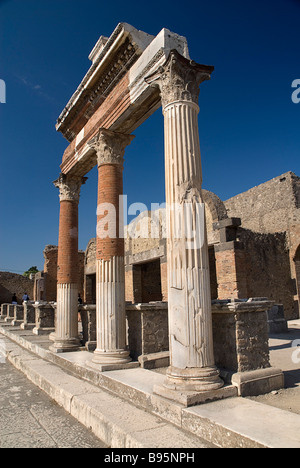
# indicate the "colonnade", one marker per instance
pixel 190 323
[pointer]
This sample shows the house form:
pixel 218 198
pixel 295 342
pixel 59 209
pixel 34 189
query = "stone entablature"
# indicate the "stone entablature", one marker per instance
pixel 127 100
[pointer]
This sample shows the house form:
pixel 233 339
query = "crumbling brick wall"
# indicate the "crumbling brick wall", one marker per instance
pixel 267 266
pixel 272 208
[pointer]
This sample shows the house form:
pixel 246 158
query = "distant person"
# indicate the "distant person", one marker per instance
pixel 79 299
pixel 14 299
pixel 25 298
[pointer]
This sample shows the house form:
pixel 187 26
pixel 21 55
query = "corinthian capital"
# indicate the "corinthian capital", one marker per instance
pixel 69 187
pixel 110 146
pixel 179 79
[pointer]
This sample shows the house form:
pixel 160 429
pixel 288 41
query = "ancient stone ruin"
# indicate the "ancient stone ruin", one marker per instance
pixel 148 301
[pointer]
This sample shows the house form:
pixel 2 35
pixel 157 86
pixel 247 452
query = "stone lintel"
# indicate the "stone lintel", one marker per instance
pixel 148 306
pixel 146 255
pixel 228 222
pixel 227 229
pixel 231 245
pixel 233 306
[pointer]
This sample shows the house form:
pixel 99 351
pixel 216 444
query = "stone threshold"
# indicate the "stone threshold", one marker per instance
pixel 234 422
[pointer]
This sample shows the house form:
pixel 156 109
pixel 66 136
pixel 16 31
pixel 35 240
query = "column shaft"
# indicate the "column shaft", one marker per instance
pixel 190 321
pixel 110 279
pixel 66 324
pixel 110 273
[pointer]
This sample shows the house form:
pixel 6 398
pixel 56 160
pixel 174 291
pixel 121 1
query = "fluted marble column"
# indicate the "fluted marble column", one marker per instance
pixel 111 349
pixel 66 325
pixel 192 365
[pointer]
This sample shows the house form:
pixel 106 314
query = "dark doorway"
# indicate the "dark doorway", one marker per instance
pixel 147 282
pixel 90 289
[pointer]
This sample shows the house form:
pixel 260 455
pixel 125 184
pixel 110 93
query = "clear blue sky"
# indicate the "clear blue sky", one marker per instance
pixel 249 126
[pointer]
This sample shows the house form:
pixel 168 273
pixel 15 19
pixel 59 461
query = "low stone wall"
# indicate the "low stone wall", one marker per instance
pixel 148 331
pixel 240 331
pixel 241 339
pixel 147 328
pixel 241 346
pixel 44 319
pixel 29 316
pixel 277 322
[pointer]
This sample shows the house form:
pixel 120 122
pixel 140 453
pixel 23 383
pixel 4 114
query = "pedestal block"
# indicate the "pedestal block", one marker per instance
pixel 44 319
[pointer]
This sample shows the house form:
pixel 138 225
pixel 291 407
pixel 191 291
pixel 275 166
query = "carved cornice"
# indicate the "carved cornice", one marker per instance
pixel 69 187
pixel 179 79
pixel 90 99
pixel 110 146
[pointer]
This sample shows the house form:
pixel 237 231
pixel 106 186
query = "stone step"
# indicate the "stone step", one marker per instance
pixel 234 422
pixel 118 423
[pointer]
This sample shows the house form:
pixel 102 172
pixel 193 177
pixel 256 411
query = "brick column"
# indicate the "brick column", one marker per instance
pixel 231 265
pixel 66 327
pixel 192 366
pixel 111 349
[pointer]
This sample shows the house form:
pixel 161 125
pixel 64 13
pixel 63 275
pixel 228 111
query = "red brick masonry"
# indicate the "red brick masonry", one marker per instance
pixel 68 243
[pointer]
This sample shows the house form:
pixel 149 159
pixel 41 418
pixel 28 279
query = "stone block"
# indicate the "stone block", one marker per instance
pixel 18 315
pixel 10 312
pixel 277 322
pixel 44 319
pixel 147 328
pixel 29 316
pixel 4 311
pixel 241 345
pixel 258 382
pixel 155 360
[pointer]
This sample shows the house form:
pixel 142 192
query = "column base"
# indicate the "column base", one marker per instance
pixel 193 379
pixel 64 346
pixel 111 361
pixel 52 336
pixel 42 331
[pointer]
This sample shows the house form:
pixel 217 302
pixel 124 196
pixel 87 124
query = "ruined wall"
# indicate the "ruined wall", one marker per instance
pixel 297 269
pixel 272 208
pixel 268 268
pixel 11 283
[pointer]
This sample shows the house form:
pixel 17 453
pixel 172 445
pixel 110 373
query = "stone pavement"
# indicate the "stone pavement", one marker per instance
pixel 30 419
